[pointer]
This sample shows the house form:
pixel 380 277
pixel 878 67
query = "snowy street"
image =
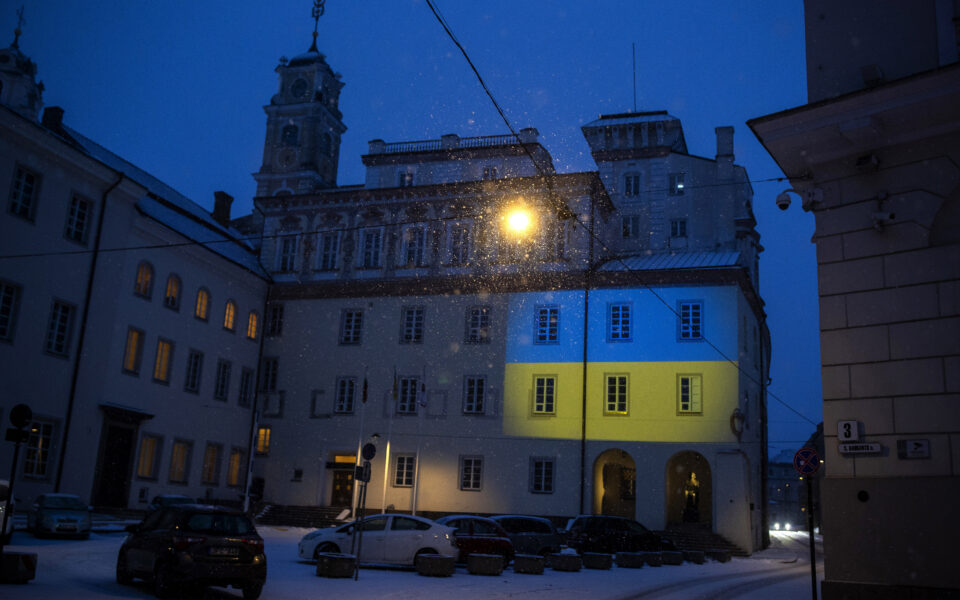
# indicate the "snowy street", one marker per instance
pixel 85 570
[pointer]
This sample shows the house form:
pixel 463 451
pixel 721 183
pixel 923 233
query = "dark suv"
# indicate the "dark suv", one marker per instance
pixel 194 545
pixel 531 535
pixel 602 533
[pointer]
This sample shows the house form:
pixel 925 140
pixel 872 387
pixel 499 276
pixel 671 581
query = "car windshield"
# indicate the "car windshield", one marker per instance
pixel 68 502
pixel 219 523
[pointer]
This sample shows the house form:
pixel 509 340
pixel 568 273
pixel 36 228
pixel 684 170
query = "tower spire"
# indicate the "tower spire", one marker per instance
pixel 317 13
pixel 17 31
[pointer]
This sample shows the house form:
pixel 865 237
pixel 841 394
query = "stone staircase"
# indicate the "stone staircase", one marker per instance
pixel 698 536
pixel 299 516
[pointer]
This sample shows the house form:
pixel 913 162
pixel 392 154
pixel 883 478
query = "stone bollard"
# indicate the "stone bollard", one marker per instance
pixel 332 564
pixel 631 560
pixel 485 564
pixel 597 560
pixel 435 565
pixel 719 555
pixel 671 557
pixel 565 562
pixel 531 564
pixel 653 559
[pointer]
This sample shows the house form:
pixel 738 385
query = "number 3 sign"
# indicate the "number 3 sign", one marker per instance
pixel 848 431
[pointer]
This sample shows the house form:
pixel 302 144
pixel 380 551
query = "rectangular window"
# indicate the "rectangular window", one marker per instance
pixel 210 474
pixel 544 395
pixel 149 461
pixel 678 228
pixel 235 467
pixel 246 387
pixel 133 351
pixel 268 381
pixel 408 389
pixel 471 473
pixel 414 246
pixel 403 476
pixel 547 325
pixel 676 186
pixel 222 387
pixel 474 392
pixel 490 172
pixel 689 394
pixel 161 365
pixel 9 305
pixel 459 244
pixel 691 320
pixel 346 394
pixel 412 332
pixel 194 369
pixel 78 220
pixel 180 461
pixel 36 459
pixel 23 195
pixel 478 325
pixel 631 185
pixel 618 322
pixel 263 440
pixel 59 327
pixel 370 255
pixel 541 475
pixel 405 178
pixel 288 253
pixel 351 327
pixel 274 320
pixel 329 250
pixel 616 394
pixel 630 227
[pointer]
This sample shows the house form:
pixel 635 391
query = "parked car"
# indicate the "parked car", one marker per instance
pixel 609 534
pixel 59 514
pixel 479 535
pixel 163 500
pixel 7 533
pixel 388 538
pixel 531 535
pixel 187 545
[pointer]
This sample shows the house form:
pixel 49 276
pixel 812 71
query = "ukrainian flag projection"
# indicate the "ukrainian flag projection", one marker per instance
pixel 650 375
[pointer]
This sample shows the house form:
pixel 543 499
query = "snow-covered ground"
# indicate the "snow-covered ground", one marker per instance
pixel 78 570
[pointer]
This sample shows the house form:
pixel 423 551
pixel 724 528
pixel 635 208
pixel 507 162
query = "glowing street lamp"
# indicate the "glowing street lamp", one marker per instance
pixel 518 220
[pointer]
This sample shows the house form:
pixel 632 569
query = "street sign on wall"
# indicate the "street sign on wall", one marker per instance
pixel 860 448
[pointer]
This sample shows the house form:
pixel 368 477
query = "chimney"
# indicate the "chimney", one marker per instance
pixel 221 205
pixel 52 118
pixel 724 152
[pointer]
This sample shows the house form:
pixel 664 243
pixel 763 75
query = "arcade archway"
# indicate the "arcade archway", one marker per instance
pixel 689 488
pixel 615 484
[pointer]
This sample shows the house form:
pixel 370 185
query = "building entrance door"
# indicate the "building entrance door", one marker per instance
pixel 342 494
pixel 116 450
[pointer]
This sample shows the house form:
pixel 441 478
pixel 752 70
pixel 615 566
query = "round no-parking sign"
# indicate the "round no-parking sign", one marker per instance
pixel 806 461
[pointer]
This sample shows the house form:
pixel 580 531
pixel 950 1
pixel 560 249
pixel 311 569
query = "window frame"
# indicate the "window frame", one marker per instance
pixel 269 371
pixel 371 252
pixel 408 388
pixel 201 307
pixel 273 325
pixel 329 255
pixel 411 324
pixel 478 324
pixel 171 300
pixel 620 321
pixel 77 230
pixel 546 329
pixel 210 474
pixel 10 294
pixel 133 356
pixel 631 184
pixel 262 443
pixel 287 253
pixel 459 236
pixel 230 316
pixel 690 326
pixel 616 405
pixel 60 325
pixel 235 479
pixel 544 404
pixel 187 445
pixel 696 403
pixel 676 185
pixel 192 377
pixel 143 280
pixel 38 449
pixel 543 482
pixel 678 228
pixel 474 400
pixel 413 249
pixel 475 484
pixel 163 342
pixel 351 327
pixel 246 388
pixel 253 325
pixel 15 204
pixel 407 471
pixel 221 384
pixel 346 395
pixel 156 454
pixel 629 227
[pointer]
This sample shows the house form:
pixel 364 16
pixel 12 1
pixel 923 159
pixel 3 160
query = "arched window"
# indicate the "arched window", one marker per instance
pixel 230 315
pixel 144 284
pixel 171 297
pixel 290 135
pixel 252 322
pixel 202 310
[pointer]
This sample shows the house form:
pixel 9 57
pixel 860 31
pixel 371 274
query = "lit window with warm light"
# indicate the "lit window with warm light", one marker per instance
pixel 263 440
pixel 202 309
pixel 171 296
pixel 230 315
pixel 143 286
pixel 252 325
pixel 161 366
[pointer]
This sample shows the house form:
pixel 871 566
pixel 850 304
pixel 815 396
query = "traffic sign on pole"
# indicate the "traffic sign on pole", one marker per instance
pixel 806 461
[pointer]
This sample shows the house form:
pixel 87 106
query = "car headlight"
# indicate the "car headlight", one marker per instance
pixel 312 535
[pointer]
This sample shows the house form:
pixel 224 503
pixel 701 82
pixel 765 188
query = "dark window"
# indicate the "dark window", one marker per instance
pixel 478 324
pixel 59 327
pixel 547 325
pixel 274 320
pixel 9 304
pixel 23 194
pixel 78 220
pixel 194 369
pixel 351 327
pixel 412 332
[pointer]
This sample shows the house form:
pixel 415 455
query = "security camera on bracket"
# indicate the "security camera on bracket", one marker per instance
pixel 808 198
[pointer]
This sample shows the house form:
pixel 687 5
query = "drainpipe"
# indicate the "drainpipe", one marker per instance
pixel 583 391
pixel 75 375
pixel 764 516
pixel 254 409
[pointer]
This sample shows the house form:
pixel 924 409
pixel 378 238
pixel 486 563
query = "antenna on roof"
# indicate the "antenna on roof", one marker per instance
pixel 633 54
pixel 317 13
pixel 17 31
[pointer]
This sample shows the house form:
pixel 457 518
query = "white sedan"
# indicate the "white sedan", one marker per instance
pixel 389 538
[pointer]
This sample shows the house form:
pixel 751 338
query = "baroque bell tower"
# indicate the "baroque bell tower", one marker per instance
pixel 304 125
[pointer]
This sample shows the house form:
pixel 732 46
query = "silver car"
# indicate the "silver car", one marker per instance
pixel 389 538
pixel 59 514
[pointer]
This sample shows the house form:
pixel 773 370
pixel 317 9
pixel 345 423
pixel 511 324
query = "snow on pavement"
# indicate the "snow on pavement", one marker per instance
pixel 85 570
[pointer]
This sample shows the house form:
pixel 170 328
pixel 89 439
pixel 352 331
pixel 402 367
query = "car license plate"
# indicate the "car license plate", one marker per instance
pixel 66 528
pixel 217 551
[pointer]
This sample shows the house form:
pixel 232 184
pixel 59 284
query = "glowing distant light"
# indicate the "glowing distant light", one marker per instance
pixel 519 220
pixel 776 526
pixel 787 526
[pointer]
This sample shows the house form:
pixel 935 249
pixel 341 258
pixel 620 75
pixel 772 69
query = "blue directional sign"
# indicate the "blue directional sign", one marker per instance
pixel 806 461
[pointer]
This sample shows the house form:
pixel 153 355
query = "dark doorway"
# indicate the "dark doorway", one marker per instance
pixel 116 452
pixel 342 488
pixel 689 487
pixel 615 484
